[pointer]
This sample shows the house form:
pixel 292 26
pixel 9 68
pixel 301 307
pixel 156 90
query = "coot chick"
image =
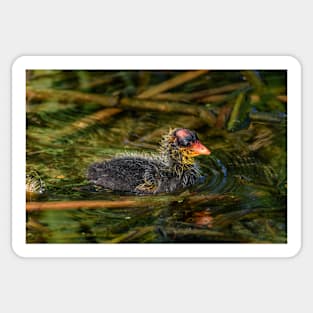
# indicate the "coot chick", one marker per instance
pixel 172 169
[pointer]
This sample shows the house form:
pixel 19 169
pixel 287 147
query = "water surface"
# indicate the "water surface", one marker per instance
pixel 241 198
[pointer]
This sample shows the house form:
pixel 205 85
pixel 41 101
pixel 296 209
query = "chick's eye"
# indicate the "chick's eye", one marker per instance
pixel 185 143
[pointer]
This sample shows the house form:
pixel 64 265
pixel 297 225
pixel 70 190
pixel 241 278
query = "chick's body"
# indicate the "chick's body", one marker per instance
pixel 168 171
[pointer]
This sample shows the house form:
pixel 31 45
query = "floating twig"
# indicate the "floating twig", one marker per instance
pixel 268 117
pixel 206 94
pixel 84 204
pixel 255 80
pixel 69 96
pixel 126 202
pixel 219 90
pixel 171 83
pixel 235 114
pixel 216 98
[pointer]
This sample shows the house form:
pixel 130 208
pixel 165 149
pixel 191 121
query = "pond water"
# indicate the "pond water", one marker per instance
pixel 241 198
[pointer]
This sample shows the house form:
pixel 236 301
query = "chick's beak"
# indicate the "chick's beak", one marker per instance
pixel 199 149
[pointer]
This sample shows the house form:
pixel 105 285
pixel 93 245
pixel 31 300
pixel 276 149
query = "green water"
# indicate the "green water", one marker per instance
pixel 242 197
